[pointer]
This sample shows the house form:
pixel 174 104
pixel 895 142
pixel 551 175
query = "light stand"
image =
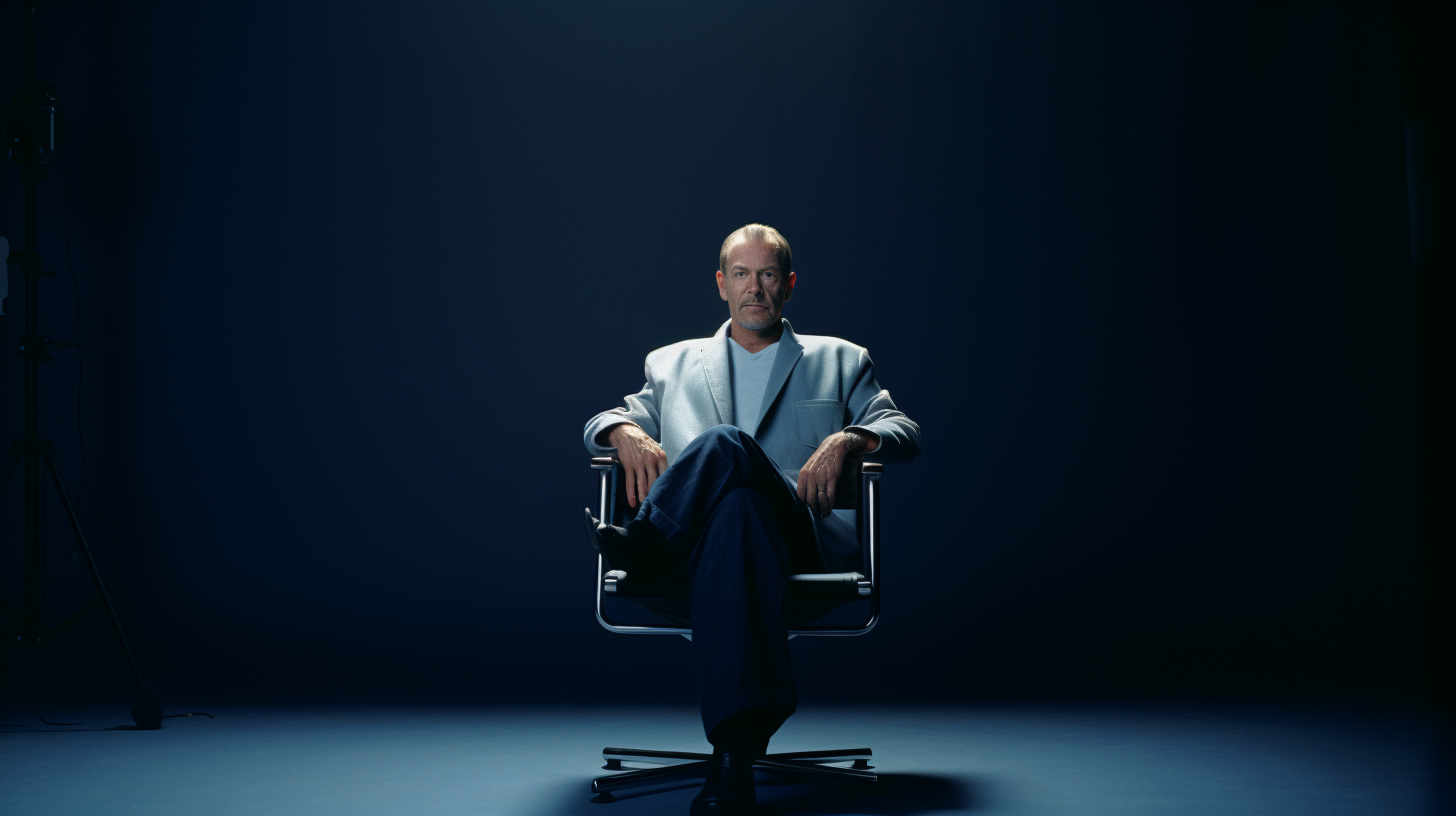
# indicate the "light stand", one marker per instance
pixel 34 127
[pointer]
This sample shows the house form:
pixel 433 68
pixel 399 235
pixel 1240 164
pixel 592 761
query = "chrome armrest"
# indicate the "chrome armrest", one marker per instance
pixel 605 466
pixel 869 523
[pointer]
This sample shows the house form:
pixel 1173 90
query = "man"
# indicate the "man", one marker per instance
pixel 731 454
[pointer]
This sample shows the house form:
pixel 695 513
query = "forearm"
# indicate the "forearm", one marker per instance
pixel 599 429
pixel 604 436
pixel 874 412
pixel 638 410
pixel 858 440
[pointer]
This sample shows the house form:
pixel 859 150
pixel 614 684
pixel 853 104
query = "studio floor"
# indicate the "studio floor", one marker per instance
pixel 539 760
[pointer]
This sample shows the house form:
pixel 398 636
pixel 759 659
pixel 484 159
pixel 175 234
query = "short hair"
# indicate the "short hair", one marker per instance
pixel 766 234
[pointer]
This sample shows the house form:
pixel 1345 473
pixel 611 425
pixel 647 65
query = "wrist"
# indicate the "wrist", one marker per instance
pixel 616 435
pixel 864 441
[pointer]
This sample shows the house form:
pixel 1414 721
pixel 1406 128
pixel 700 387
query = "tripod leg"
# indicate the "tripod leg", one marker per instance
pixel 10 468
pixel 148 711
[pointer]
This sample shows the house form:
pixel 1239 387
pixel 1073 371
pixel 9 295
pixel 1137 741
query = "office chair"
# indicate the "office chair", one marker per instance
pixel 810 597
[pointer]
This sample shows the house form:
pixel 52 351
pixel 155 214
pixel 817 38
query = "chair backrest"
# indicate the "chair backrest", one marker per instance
pixel 829 587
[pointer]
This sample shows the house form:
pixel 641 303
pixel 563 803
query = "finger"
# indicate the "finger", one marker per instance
pixel 631 486
pixel 816 498
pixel 642 482
pixel 829 499
pixel 653 471
pixel 803 488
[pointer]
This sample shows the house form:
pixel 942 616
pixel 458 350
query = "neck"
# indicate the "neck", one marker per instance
pixel 756 341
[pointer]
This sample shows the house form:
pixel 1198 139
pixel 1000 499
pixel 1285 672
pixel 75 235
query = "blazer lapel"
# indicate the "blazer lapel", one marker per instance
pixel 788 354
pixel 714 354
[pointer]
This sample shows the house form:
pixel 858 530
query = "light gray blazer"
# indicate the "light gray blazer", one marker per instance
pixel 818 386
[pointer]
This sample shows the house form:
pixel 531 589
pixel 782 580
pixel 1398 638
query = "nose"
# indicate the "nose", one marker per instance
pixel 755 284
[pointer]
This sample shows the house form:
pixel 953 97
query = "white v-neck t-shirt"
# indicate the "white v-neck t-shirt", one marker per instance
pixel 750 381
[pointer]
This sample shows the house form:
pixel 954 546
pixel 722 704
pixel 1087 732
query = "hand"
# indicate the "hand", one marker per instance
pixel 819 475
pixel 642 459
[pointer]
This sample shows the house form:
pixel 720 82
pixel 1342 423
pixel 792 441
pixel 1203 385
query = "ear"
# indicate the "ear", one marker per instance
pixel 789 292
pixel 722 293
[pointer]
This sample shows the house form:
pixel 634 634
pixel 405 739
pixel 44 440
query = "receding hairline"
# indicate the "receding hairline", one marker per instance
pixel 764 234
pixel 740 242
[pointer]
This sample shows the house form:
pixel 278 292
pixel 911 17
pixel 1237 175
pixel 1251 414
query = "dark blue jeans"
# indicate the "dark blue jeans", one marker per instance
pixel 738 530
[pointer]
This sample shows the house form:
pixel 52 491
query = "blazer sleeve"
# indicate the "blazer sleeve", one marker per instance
pixel 872 410
pixel 640 408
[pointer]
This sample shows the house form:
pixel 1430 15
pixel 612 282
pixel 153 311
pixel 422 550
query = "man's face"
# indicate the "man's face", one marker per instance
pixel 753 286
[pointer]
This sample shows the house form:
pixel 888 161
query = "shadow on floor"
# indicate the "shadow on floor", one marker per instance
pixel 894 795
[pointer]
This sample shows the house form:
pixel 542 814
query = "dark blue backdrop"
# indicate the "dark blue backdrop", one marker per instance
pixel 354 275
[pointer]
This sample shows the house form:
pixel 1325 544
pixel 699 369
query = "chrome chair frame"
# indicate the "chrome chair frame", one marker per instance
pixel 674 767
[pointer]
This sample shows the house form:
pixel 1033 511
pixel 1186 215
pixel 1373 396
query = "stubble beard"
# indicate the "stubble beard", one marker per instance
pixel 762 322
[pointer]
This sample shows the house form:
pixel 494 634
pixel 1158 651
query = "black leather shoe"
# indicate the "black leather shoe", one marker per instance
pixel 597 531
pixel 616 543
pixel 729 787
pixel 637 548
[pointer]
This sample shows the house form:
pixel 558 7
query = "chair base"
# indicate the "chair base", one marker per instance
pixel 676 767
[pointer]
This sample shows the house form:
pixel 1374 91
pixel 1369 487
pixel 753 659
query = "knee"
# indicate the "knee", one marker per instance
pixel 720 437
pixel 725 433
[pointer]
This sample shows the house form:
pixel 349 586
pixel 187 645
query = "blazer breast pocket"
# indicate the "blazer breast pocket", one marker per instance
pixel 817 419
